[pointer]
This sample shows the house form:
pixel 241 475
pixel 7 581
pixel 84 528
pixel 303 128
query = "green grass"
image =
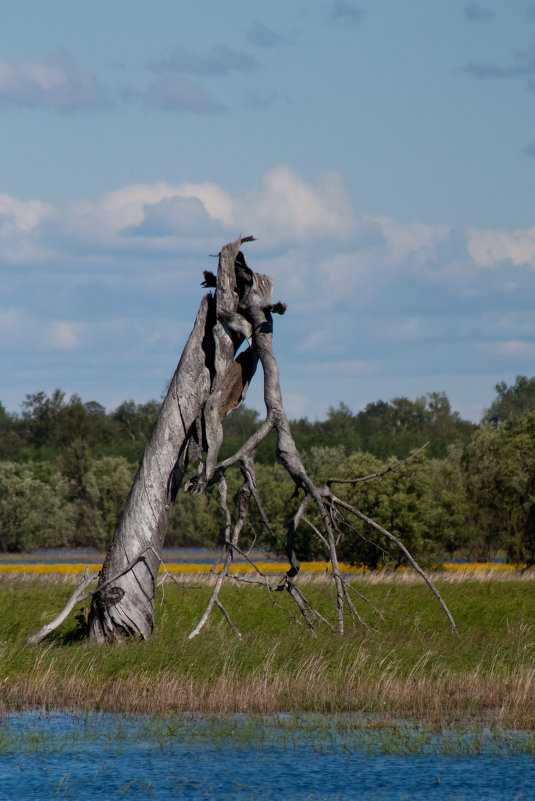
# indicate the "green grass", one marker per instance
pixel 410 665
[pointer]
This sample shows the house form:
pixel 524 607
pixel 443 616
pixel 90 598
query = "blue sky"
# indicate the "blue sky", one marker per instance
pixel 382 152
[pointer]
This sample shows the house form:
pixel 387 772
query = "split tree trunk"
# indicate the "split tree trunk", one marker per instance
pixel 124 602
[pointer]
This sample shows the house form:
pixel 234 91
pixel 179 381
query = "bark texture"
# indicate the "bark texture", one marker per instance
pixel 207 384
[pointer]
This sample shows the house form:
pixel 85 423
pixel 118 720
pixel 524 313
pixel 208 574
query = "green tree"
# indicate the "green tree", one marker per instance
pixel 513 401
pixel 449 512
pixel 400 501
pixel 107 483
pixel 132 425
pixel 34 512
pixel 500 479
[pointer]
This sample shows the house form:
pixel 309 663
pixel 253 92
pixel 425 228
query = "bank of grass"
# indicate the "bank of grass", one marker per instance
pixel 409 666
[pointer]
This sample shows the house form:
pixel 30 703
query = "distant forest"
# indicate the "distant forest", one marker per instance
pixel 66 467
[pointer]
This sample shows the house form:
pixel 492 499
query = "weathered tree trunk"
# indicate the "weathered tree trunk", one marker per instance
pixel 124 602
pixel 209 382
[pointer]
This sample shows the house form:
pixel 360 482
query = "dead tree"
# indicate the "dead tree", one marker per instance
pixel 211 379
pixel 207 384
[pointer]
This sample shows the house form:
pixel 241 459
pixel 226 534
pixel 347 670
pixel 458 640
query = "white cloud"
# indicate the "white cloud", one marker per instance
pixel 23 216
pixel 514 348
pixel 414 241
pixel 287 208
pixel 112 284
pixel 56 84
pixel 283 210
pixel 20 327
pixel 63 335
pixel 320 251
pixel 491 248
pixel 19 228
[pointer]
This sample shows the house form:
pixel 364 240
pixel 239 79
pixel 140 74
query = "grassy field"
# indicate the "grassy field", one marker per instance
pixel 410 665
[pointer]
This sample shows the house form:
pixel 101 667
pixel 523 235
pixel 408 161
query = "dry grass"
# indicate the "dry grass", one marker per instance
pixel 507 701
pixel 411 666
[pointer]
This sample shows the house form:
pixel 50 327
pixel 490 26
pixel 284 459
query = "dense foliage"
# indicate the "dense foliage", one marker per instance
pixel 66 467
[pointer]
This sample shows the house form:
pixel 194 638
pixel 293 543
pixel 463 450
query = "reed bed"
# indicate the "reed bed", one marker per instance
pixel 184 572
pixel 408 664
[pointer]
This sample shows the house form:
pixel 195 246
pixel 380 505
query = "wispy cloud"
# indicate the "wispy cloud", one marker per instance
pixel 514 348
pixel 55 84
pixel 523 65
pixel 219 60
pixel 257 100
pixel 171 93
pixel 261 35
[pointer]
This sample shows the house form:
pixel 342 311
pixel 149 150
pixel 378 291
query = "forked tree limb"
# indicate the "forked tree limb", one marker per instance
pixel 404 551
pixel 258 313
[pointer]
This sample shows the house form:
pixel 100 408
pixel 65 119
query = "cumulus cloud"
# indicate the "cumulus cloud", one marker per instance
pixel 219 60
pixel 287 208
pixel 55 84
pixel 308 230
pixel 492 248
pixel 112 283
pixel 283 209
pixel 289 215
pixel 174 216
pixel 20 223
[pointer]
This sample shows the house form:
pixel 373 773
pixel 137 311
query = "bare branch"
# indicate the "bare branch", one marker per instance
pixel 248 447
pixel 405 552
pixel 226 616
pixel 65 612
pixel 380 474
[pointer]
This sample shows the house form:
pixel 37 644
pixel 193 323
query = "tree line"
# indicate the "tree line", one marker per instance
pixel 66 467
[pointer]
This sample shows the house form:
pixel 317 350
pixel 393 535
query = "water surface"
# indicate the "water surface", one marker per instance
pixel 94 757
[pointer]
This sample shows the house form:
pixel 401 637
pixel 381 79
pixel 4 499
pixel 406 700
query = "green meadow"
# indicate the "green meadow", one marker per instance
pixel 406 663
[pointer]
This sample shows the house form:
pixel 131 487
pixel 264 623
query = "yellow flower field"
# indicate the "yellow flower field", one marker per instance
pixel 237 567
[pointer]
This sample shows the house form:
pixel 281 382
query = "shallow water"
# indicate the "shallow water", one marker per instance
pixel 110 756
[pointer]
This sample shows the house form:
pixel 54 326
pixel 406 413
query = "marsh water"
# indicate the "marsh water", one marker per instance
pixel 50 756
